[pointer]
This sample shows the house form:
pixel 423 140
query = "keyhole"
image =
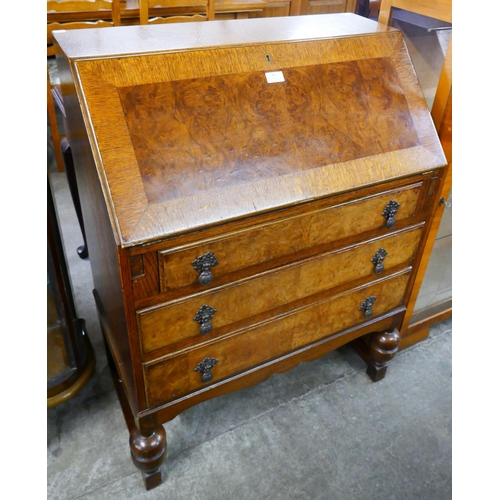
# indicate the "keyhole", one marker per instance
pixel 268 57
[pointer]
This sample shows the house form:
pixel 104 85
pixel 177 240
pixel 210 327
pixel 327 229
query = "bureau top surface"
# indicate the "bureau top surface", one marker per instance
pixel 96 43
pixel 198 123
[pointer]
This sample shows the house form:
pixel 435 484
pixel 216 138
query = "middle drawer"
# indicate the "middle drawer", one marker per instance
pixel 210 312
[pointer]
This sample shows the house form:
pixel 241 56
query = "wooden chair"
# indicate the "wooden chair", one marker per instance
pixel 175 11
pixel 79 14
pixel 73 14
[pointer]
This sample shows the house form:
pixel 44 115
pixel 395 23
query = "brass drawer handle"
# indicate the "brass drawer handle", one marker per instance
pixel 204 316
pixel 389 212
pixel 378 260
pixel 204 367
pixel 203 264
pixel 367 305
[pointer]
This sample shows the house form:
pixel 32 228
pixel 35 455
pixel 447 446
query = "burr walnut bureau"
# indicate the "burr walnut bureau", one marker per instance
pixel 255 194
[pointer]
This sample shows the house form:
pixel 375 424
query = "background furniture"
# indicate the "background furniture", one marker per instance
pixel 420 316
pixel 54 135
pixel 78 14
pixel 171 11
pixel 224 9
pixel 256 219
pixel 326 6
pixel 73 14
pixel 70 355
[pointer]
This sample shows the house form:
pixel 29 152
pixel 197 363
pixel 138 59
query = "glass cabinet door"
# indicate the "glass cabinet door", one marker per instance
pixel 435 294
pixel 70 356
pixel 427 40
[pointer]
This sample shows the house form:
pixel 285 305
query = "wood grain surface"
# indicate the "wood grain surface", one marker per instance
pixel 223 131
pixel 170 323
pixel 174 377
pixel 263 243
pixel 315 146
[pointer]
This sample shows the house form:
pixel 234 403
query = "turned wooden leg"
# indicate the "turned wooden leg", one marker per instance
pixel 148 453
pixel 383 347
pixel 148 440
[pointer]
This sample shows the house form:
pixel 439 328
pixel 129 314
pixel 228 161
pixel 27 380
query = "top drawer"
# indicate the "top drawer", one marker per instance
pixel 207 261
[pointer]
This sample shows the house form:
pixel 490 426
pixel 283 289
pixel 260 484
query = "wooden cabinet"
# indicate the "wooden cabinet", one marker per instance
pixel 256 193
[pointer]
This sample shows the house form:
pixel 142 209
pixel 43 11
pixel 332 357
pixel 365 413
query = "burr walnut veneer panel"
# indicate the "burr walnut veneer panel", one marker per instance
pixel 354 113
pixel 284 237
pixel 176 376
pixel 225 131
pixel 175 321
pixel 255 194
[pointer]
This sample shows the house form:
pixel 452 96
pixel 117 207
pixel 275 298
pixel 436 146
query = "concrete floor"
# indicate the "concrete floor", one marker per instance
pixel 320 431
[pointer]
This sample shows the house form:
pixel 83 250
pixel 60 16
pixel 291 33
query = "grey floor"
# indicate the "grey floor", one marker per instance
pixel 320 431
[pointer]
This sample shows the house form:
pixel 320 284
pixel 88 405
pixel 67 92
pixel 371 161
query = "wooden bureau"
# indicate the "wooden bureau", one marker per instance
pixel 255 193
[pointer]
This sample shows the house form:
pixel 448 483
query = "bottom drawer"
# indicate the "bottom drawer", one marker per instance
pixel 179 374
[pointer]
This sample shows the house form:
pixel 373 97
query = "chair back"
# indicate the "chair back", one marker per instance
pixel 175 11
pixel 68 15
pixel 80 14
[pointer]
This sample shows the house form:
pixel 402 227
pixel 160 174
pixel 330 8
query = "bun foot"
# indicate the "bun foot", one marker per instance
pixel 148 453
pixel 152 479
pixel 383 347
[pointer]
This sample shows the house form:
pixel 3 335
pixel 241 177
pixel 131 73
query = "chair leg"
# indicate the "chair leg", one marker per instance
pixel 75 196
pixel 54 129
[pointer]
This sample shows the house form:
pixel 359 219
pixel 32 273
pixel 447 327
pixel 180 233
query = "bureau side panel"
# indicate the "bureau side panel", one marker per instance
pixel 102 247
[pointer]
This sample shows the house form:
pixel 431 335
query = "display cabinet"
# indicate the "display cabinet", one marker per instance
pixel 70 356
pixel 427 28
